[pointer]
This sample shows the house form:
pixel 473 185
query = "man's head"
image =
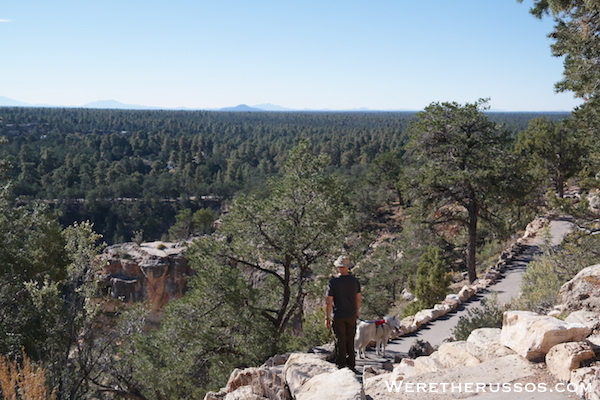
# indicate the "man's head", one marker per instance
pixel 343 264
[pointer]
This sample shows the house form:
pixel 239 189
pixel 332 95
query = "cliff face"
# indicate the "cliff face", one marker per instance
pixel 153 272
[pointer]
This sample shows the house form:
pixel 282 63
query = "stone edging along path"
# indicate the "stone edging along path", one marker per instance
pixel 503 277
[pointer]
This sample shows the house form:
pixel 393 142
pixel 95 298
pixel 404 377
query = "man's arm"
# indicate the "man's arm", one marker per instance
pixel 328 307
pixel 358 300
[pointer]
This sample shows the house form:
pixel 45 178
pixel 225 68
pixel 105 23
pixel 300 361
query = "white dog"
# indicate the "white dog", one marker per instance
pixel 374 331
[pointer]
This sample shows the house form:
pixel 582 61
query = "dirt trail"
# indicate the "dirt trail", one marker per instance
pixel 507 288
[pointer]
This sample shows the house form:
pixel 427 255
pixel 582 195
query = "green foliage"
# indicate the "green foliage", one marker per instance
pixel 383 277
pixel 576 39
pixel 489 315
pixel 247 296
pixel 31 250
pixel 282 237
pixel 188 224
pixel 128 171
pixel 431 282
pixel 462 168
pixel 314 333
pixel 554 151
pixel 67 315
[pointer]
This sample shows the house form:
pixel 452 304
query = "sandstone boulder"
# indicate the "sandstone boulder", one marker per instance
pixel 531 335
pixel 442 309
pixel 407 325
pixel 587 378
pixel 425 316
pixel 484 337
pixel 484 344
pixel 252 383
pixel 301 367
pixel 429 363
pixel 584 317
pixel 466 293
pixel 341 384
pixel 565 357
pixel 456 354
pixel 535 226
pixel 453 301
pixel 583 291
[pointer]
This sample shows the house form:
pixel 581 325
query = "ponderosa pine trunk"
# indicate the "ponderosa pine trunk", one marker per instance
pixel 473 211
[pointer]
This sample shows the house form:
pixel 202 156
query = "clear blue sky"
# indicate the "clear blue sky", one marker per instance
pixel 383 54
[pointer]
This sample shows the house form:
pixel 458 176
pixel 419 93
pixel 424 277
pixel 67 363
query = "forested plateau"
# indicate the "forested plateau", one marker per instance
pixel 261 203
pixel 131 172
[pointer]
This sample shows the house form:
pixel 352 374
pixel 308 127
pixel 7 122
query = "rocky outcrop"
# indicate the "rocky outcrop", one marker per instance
pixel 253 383
pixel 153 272
pixel 298 376
pixel 583 291
pixel 531 335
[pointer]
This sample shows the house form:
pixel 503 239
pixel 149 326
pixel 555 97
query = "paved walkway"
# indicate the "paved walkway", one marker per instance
pixel 507 288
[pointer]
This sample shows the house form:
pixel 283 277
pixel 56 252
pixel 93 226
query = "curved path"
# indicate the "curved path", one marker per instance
pixel 507 288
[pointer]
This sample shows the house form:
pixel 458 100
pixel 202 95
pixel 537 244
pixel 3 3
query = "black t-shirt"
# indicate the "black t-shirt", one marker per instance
pixel 343 289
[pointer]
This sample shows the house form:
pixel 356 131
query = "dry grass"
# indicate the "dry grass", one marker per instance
pixel 23 382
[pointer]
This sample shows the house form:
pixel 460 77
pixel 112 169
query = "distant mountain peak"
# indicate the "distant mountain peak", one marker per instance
pixel 271 107
pixel 240 108
pixel 113 104
pixel 7 102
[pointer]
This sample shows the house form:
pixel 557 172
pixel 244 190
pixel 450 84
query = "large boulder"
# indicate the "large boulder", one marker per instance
pixel 341 384
pixel 531 335
pixel 565 357
pixel 456 354
pixel 301 367
pixel 583 291
pixel 429 363
pixel 407 325
pixel 252 384
pixel 484 337
pixel 484 343
pixel 584 317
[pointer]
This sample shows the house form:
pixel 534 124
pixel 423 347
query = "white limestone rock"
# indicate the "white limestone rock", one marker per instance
pixel 588 318
pixel 565 357
pixel 341 384
pixel 301 367
pixel 466 293
pixel 456 354
pixel 531 335
pixel 587 378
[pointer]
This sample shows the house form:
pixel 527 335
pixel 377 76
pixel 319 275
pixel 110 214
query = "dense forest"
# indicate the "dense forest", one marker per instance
pixel 130 172
pixel 417 199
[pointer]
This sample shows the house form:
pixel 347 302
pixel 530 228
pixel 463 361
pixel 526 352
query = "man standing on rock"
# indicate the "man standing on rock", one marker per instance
pixel 343 295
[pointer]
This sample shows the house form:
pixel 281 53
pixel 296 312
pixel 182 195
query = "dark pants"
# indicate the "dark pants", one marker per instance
pixel 344 329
